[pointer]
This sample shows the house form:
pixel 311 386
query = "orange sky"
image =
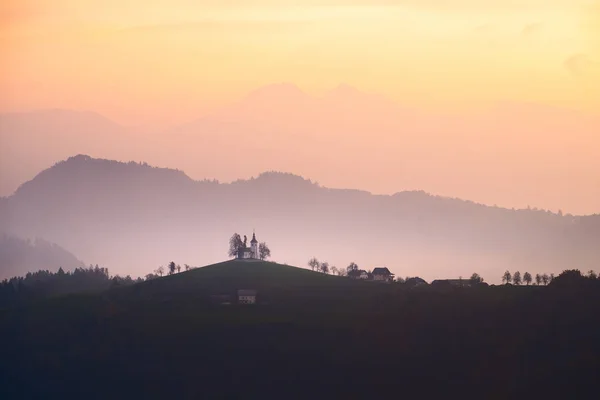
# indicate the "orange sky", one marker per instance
pixel 140 61
pixel 157 63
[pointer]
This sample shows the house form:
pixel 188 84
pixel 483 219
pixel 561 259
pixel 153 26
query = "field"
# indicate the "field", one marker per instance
pixel 310 335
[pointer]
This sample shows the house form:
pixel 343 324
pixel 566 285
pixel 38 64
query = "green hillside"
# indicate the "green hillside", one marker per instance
pixel 276 284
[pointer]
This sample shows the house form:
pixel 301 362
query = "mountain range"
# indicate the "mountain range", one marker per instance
pixel 510 154
pixel 132 217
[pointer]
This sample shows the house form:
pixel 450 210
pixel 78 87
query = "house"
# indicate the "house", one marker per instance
pixel 382 274
pixel 246 296
pixel 249 253
pixel 358 274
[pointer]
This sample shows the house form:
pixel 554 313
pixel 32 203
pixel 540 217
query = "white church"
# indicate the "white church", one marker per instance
pixel 249 253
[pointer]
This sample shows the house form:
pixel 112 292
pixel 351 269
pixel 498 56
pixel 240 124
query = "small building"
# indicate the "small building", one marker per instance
pixel 246 296
pixel 358 274
pixel 382 274
pixel 249 253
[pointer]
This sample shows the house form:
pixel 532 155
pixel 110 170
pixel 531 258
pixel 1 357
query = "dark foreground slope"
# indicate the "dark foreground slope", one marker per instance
pixel 313 336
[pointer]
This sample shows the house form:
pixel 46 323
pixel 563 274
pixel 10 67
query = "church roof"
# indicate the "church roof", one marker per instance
pixel 254 239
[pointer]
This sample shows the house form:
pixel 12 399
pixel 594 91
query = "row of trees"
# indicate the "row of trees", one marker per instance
pixel 527 278
pixel 171 269
pixel 325 268
pixel 236 244
pixel 45 283
pixel 540 279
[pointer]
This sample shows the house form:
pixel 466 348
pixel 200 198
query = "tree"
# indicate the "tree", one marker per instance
pixel 341 272
pixel 172 267
pixel 527 278
pixel 313 263
pixel 235 244
pixel 545 279
pixel 149 277
pixel 325 267
pixel 538 279
pixel 178 268
pixel 352 267
pixel 187 267
pixel 517 278
pixel 263 251
pixel 160 271
pixel 475 279
pixel 334 270
pixel 507 277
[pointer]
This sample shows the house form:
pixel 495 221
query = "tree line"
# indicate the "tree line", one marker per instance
pixel 44 283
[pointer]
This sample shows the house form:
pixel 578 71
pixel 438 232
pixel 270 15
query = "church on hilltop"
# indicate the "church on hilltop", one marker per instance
pixel 249 253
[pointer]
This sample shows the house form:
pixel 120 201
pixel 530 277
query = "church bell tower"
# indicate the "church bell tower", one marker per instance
pixel 254 246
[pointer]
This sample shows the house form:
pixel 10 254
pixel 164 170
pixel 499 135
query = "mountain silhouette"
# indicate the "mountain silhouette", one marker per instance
pixel 19 256
pixel 132 217
pixel 506 153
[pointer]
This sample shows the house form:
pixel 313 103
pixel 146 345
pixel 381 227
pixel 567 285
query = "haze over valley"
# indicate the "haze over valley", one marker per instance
pixel 132 217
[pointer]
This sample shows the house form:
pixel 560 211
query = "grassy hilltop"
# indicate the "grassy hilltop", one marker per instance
pixel 312 335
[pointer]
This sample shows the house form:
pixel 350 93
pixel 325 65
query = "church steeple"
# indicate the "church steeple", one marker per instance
pixel 254 246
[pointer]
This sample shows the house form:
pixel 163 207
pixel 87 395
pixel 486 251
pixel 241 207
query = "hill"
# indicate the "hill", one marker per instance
pixel 131 217
pixel 275 283
pixel 309 333
pixel 19 256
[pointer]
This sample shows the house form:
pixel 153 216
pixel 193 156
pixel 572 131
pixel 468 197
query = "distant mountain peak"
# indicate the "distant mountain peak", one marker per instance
pixel 282 90
pixel 343 89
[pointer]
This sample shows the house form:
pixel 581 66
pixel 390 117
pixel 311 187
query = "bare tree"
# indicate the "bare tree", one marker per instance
pixel 178 268
pixel 517 278
pixel 527 278
pixel 325 267
pixel 538 279
pixel 160 271
pixel 352 267
pixel 507 277
pixel 263 251
pixel 475 279
pixel 235 244
pixel 313 263
pixel 341 272
pixel 334 270
pixel 187 267
pixel 545 279
pixel 172 267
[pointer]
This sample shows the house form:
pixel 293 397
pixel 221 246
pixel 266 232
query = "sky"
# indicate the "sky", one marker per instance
pixel 167 61
pixel 161 63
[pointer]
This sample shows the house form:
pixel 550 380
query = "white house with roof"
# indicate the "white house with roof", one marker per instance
pixel 246 296
pixel 382 274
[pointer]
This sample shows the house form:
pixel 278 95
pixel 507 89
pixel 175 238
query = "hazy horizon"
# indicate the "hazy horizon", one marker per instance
pixel 494 102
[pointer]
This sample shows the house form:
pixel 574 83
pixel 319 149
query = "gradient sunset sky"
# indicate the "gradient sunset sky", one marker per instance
pixel 168 60
pixel 160 63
